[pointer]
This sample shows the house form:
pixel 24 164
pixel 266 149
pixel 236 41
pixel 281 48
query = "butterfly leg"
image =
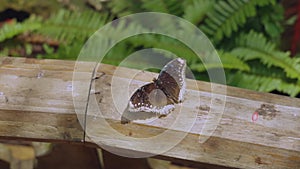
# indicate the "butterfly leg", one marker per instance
pixel 162 115
pixel 124 120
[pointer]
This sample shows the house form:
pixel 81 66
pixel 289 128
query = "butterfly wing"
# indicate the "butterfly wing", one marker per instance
pixel 146 102
pixel 158 97
pixel 172 79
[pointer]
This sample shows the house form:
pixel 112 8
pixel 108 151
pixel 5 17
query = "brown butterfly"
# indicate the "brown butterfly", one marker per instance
pixel 158 97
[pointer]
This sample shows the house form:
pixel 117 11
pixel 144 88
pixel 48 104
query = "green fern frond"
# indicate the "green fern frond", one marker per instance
pixel 173 7
pixel 262 79
pixel 68 26
pixel 163 42
pixel 259 68
pixel 122 8
pixel 196 11
pixel 262 83
pixel 13 28
pixel 67 51
pixel 118 53
pixel 229 15
pixel 228 61
pixel 272 20
pixel 255 46
pixel 113 41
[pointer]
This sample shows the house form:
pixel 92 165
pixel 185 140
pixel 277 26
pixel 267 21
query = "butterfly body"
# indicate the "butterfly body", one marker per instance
pixel 159 96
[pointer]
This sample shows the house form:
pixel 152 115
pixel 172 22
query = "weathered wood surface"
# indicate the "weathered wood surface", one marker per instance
pixel 36 104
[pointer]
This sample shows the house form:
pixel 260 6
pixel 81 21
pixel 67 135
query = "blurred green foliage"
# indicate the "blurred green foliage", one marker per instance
pixel 246 34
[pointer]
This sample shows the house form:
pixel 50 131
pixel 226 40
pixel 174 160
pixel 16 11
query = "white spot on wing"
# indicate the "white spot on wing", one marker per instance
pixel 182 81
pixel 154 109
pixel 181 61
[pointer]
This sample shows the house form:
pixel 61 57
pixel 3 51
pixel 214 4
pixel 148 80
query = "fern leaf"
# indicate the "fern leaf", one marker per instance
pixel 262 83
pixel 124 7
pixel 14 28
pixel 228 61
pixel 272 20
pixel 229 15
pixel 196 11
pixel 68 26
pixel 255 46
pixel 173 7
pixel 163 42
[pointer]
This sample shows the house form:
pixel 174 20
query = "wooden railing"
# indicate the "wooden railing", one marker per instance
pixel 36 103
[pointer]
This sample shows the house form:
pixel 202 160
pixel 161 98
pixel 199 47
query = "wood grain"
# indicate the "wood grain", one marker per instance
pixel 36 103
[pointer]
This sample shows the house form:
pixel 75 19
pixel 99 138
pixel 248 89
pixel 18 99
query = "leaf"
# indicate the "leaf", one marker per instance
pixel 68 26
pixel 197 10
pixel 122 8
pixel 229 15
pixel 264 83
pixel 255 46
pixel 228 61
pixel 13 28
pixel 173 7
